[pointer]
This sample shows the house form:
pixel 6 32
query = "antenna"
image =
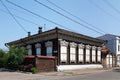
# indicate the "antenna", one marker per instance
pixel 44 26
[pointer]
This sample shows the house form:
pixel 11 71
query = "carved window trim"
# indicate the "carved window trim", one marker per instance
pixel 63 55
pixel 73 46
pixel 63 43
pixel 82 46
pixel 99 48
pixel 88 47
pixel 94 47
pixel 49 44
pixel 38 45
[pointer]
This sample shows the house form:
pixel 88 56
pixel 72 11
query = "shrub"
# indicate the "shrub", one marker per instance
pixel 34 70
pixel 16 57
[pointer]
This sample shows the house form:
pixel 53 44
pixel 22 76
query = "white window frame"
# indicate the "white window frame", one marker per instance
pixel 81 55
pixel 93 54
pixel 63 53
pixel 72 54
pixel 99 54
pixel 88 53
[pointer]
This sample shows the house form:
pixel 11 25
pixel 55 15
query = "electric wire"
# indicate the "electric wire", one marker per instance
pixel 104 11
pixel 69 18
pixel 21 18
pixel 110 5
pixel 74 16
pixel 13 16
pixel 37 15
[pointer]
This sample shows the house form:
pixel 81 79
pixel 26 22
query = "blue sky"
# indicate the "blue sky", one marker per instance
pixel 106 19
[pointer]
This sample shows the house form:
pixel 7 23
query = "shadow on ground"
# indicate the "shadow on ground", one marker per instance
pixel 6 70
pixel 116 70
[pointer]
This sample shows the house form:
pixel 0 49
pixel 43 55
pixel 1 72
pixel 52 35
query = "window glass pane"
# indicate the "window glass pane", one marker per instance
pixel 118 47
pixel 38 51
pixel 119 41
pixel 81 55
pixel 87 55
pixel 72 54
pixel 72 57
pixel 63 54
pixel 63 49
pixel 99 55
pixel 29 52
pixel 49 51
pixel 63 57
pixel 72 50
pixel 93 56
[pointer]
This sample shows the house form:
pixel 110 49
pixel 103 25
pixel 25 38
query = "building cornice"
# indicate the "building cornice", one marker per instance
pixel 55 33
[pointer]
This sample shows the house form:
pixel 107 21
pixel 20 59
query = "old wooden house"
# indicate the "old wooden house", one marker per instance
pixel 59 49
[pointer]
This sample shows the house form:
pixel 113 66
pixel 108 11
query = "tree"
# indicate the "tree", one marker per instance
pixel 3 58
pixel 16 56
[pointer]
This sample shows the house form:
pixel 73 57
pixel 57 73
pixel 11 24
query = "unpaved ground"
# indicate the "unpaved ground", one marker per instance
pixel 6 75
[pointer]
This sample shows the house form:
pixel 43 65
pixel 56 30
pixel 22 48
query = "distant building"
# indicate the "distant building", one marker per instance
pixel 113 43
pixel 63 49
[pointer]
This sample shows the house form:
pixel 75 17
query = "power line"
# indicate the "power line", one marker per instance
pixel 21 18
pixel 13 16
pixel 37 14
pixel 75 16
pixel 69 18
pixel 103 10
pixel 110 5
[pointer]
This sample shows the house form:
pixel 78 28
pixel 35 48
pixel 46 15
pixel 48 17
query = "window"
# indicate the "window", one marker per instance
pixel 81 52
pixel 99 56
pixel 72 54
pixel 81 55
pixel 119 41
pixel 118 47
pixel 93 53
pixel 63 55
pixel 93 56
pixel 29 47
pixel 63 51
pixel 38 49
pixel 118 58
pixel 87 55
pixel 49 51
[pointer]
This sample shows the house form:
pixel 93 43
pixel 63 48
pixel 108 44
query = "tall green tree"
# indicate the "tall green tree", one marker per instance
pixel 3 58
pixel 16 56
